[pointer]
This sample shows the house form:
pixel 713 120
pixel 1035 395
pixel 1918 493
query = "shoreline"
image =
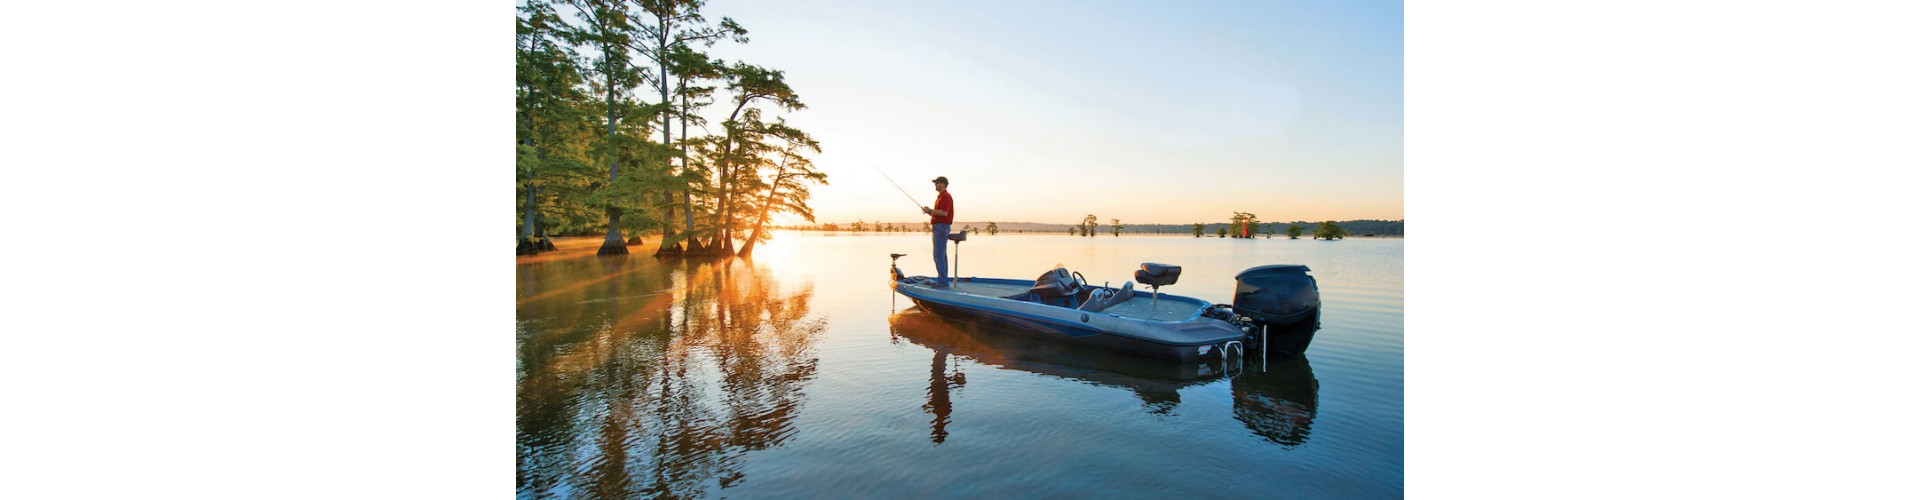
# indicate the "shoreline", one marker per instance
pixel 570 247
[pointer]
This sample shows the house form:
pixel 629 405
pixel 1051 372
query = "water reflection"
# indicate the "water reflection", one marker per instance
pixel 1276 402
pixel 644 378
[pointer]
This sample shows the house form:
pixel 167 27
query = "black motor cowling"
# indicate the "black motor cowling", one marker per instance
pixel 1276 295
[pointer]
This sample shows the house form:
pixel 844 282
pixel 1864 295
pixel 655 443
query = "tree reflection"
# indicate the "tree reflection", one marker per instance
pixel 658 381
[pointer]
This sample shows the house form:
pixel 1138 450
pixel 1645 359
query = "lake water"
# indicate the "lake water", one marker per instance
pixel 799 373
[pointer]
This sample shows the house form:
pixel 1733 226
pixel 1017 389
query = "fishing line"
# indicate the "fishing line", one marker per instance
pixel 896 185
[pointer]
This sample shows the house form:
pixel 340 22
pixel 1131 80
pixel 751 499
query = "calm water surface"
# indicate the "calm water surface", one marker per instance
pixel 799 373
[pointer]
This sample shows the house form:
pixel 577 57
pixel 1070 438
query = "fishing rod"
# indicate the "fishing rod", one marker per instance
pixel 896 185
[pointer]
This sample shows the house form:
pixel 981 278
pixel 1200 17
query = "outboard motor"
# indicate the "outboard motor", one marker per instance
pixel 1278 296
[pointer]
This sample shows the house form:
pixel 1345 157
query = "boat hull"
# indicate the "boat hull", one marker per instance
pixel 1185 335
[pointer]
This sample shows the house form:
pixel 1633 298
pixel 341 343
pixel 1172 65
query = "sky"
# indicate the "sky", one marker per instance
pixel 1050 111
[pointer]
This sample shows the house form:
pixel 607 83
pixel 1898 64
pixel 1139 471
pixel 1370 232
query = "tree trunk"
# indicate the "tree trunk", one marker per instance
pixel 526 242
pixel 666 134
pixel 725 233
pixel 686 196
pixel 614 244
pixel 526 227
pixel 766 210
pixel 526 224
pixel 723 215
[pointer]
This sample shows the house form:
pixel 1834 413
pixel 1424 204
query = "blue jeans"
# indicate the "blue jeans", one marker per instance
pixel 940 232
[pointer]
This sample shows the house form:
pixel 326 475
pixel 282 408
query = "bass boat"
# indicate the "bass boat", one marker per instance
pixel 1275 309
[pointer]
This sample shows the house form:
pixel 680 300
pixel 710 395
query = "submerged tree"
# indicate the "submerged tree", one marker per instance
pixel 677 25
pixel 1243 223
pixel 1197 228
pixel 1116 228
pixel 1330 231
pixel 1294 230
pixel 609 29
pixel 551 123
pixel 1087 225
pixel 587 147
pixel 745 140
pixel 786 190
pixel 993 228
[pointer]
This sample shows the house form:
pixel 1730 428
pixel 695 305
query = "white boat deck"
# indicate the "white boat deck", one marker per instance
pixel 1140 307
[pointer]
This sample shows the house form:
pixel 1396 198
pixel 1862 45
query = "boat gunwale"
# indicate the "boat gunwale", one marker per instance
pixel 1202 305
pixel 922 292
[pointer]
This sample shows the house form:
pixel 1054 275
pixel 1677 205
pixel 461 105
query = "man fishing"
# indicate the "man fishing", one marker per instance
pixel 942 213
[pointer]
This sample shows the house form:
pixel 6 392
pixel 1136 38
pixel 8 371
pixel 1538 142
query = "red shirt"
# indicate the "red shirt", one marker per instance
pixel 945 203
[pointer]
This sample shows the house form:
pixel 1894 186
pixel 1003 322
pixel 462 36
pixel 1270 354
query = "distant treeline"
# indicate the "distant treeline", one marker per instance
pixel 1362 227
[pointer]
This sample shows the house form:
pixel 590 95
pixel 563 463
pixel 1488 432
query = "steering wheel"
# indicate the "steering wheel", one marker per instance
pixel 1078 282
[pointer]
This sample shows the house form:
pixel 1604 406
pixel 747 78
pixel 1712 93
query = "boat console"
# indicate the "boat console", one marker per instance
pixel 1058 287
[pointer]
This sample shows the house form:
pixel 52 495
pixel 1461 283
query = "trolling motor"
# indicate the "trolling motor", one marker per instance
pixel 956 238
pixel 897 276
pixel 1155 275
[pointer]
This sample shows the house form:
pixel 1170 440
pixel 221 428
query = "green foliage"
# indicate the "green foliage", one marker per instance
pixel 993 228
pixel 1197 228
pixel 1243 224
pixel 783 187
pixel 1223 231
pixel 592 149
pixel 1294 230
pixel 1329 230
pixel 1117 227
pixel 1087 225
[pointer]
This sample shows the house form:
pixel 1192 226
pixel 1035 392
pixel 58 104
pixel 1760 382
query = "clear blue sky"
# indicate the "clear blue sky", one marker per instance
pixel 1049 111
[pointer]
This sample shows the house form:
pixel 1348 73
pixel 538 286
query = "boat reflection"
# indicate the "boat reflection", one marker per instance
pixel 657 377
pixel 1276 402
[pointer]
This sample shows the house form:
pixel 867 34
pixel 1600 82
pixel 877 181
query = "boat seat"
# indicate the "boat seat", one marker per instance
pixel 1157 275
pixel 1116 298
